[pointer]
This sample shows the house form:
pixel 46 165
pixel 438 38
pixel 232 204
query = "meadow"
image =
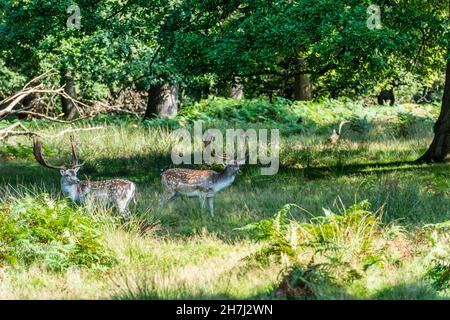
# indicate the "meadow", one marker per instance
pixel 364 222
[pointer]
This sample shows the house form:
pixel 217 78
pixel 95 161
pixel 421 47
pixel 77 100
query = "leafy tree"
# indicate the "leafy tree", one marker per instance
pixel 112 48
pixel 439 149
pixel 276 44
pixel 266 47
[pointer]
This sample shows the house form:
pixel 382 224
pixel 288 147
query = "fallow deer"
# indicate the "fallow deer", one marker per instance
pixel 335 135
pixel 117 192
pixel 204 184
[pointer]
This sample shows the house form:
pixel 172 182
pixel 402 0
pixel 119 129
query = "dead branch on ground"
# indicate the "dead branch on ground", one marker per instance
pixel 12 131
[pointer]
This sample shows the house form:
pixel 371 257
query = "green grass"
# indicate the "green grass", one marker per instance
pixel 181 252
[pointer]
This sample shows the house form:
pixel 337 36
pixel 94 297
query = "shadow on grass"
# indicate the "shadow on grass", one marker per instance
pixel 147 168
pixel 402 291
pixel 403 200
pixel 153 295
pixel 322 172
pixel 407 291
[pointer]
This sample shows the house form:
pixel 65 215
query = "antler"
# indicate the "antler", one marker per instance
pixel 233 162
pixel 37 152
pixel 207 140
pixel 237 162
pixel 74 161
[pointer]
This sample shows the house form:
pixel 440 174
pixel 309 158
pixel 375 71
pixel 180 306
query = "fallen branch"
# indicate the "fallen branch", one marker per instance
pixel 10 131
pixel 87 109
pixel 43 116
pixel 99 107
pixel 11 102
pixel 63 132
pixel 42 76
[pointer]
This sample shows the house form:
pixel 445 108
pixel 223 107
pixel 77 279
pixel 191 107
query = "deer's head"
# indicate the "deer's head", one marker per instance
pixel 68 173
pixel 233 167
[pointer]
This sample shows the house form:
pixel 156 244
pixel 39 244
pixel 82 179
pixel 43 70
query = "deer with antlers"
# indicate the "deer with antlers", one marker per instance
pixel 204 184
pixel 117 192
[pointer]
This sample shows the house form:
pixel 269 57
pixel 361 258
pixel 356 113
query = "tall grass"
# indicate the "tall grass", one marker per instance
pixel 181 252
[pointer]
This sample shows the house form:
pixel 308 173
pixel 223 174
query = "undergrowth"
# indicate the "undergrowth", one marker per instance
pixel 52 232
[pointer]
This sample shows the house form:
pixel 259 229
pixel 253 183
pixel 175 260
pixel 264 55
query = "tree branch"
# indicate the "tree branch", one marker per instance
pixel 10 131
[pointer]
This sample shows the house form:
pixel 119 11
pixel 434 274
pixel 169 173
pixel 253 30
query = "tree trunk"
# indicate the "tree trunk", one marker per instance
pixel 440 147
pixel 237 90
pixel 27 102
pixel 302 88
pixel 68 107
pixel 386 95
pixel 162 101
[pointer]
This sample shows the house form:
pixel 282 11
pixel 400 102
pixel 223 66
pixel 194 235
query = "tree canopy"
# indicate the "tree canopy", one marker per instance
pixel 263 44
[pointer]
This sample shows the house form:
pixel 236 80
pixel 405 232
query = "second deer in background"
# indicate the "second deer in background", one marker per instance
pixel 204 184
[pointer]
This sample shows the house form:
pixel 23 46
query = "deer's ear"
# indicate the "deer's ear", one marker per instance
pixel 76 169
pixel 62 172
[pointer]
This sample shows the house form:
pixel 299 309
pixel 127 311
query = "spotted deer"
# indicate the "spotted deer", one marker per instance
pixel 117 192
pixel 204 184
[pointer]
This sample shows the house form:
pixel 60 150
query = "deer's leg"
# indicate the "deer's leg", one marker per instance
pixel 123 203
pixel 131 196
pixel 123 209
pixel 86 200
pixel 167 196
pixel 211 205
pixel 202 199
pixel 170 201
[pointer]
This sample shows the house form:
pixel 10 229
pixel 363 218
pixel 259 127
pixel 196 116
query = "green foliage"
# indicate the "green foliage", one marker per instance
pixel 352 232
pixel 405 122
pixel 283 114
pixel 39 229
pixel 278 234
pixel 345 235
pixel 248 111
pixel 438 258
pixel 266 43
pixel 17 151
pixel 360 124
pixel 439 274
pixel 166 122
pixel 189 255
pixel 9 81
pixel 302 282
pixel 343 244
pixel 205 45
pixel 111 50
